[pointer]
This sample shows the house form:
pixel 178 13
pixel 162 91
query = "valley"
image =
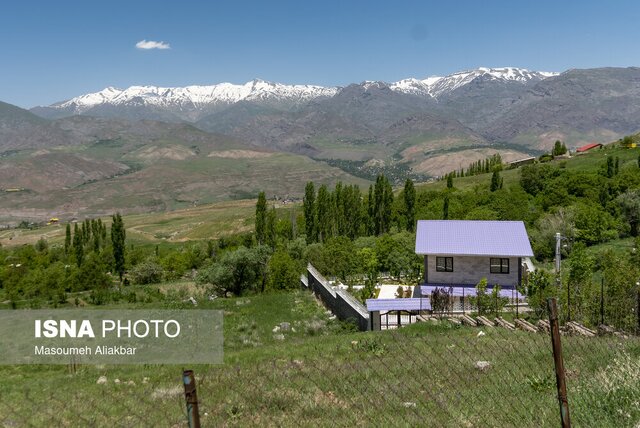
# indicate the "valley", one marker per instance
pixel 153 149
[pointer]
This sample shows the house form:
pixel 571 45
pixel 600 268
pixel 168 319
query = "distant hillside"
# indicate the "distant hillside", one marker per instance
pixel 577 106
pixel 138 166
pixel 378 121
pixel 20 129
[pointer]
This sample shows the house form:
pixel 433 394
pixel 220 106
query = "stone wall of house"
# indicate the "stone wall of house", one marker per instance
pixel 342 304
pixel 470 270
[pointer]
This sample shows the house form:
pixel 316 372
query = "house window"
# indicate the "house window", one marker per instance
pixel 499 265
pixel 444 264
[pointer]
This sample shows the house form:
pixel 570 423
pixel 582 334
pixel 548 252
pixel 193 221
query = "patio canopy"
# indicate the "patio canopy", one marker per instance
pixel 411 304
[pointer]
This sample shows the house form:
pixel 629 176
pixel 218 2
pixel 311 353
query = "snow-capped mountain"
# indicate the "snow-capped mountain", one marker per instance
pixel 436 86
pixel 195 96
pixel 192 103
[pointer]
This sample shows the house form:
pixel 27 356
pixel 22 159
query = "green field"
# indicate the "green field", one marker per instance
pixel 208 221
pixel 589 161
pixel 324 374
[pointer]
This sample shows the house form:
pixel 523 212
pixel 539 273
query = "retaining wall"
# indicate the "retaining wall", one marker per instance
pixel 342 304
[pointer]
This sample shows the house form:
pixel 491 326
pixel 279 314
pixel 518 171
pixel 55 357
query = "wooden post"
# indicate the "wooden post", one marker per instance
pixel 191 397
pixel 559 364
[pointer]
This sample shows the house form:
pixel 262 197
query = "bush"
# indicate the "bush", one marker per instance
pixel 147 272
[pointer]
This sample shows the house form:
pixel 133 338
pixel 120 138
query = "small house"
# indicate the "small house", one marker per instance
pixel 458 254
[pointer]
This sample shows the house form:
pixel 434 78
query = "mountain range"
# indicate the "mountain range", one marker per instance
pixel 160 144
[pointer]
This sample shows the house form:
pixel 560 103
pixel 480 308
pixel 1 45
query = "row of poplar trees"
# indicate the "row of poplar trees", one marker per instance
pixel 91 235
pixel 345 211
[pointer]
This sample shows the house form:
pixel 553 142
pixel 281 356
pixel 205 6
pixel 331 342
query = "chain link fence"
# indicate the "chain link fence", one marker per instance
pixel 436 372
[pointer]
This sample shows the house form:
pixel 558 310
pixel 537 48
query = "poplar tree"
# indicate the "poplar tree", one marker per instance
pixel 383 201
pixel 410 204
pixel 371 212
pixel 78 246
pixel 445 208
pixel 324 213
pixel 270 228
pixel 309 209
pixel 118 243
pixel 261 218
pixel 67 240
pixel 339 202
pixel 496 181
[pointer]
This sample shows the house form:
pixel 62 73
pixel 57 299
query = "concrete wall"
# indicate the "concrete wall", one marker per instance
pixel 342 304
pixel 470 270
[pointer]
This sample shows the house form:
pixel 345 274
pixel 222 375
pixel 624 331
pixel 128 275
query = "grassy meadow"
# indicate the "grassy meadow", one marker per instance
pixel 322 373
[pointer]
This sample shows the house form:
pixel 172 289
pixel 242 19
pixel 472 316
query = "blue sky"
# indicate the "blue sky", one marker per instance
pixel 54 50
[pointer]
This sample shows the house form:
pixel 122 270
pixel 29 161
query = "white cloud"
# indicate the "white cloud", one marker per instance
pixel 152 44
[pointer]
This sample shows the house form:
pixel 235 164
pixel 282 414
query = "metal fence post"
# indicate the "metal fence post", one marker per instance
pixel 559 364
pixel 191 397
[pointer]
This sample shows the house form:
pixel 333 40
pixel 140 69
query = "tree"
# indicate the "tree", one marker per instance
pixel 118 236
pixel 369 262
pixel 496 181
pixel 410 204
pixel 270 228
pixel 580 267
pixel 338 254
pixel 325 214
pixel 339 194
pixel 533 178
pixel 610 170
pixel 261 218
pixel 539 288
pixel 559 148
pixel 353 211
pixel 450 181
pixel 383 201
pixel 67 240
pixel 482 300
pixel 147 272
pixel 78 246
pixel 445 208
pixel 371 212
pixel 236 271
pixel 284 274
pixel 309 209
pixel 629 203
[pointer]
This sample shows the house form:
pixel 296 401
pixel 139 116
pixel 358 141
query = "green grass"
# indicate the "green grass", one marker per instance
pixel 324 375
pixel 587 162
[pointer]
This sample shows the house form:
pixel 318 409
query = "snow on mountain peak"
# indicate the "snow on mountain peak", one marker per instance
pixel 196 96
pixel 437 86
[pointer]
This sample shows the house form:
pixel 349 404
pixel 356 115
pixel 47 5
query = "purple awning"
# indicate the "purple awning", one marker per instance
pixel 411 304
pixel 473 238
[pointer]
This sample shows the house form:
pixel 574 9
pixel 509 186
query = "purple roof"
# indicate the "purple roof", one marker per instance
pixel 473 238
pixel 410 304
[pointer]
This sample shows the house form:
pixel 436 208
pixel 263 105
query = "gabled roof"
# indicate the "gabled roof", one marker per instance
pixel 473 238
